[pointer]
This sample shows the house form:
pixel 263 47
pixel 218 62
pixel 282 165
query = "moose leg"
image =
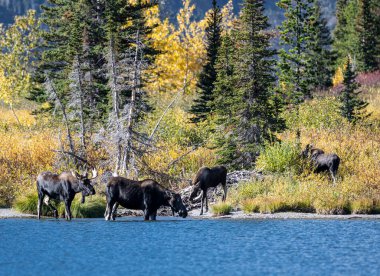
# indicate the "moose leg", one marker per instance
pixel 206 203
pixel 333 175
pixel 67 209
pixel 201 213
pixel 114 210
pixel 110 204
pixel 146 214
pixel 47 202
pixel 153 215
pixel 39 204
pixel 225 191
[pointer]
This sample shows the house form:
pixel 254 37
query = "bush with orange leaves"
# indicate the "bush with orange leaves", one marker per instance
pixel 25 150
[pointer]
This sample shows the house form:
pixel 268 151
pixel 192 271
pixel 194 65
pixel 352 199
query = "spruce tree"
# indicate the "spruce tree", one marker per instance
pixel 224 99
pixel 294 77
pixel 346 38
pixel 352 107
pixel 203 104
pixel 367 28
pixel 66 63
pixel 322 57
pixel 254 119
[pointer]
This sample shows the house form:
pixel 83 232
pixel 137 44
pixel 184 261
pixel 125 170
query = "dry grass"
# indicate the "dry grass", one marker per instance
pixel 221 208
pixel 25 151
pixel 358 187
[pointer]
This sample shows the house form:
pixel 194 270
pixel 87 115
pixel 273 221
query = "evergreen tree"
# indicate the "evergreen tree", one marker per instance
pixel 352 107
pixel 224 99
pixel 322 57
pixel 294 61
pixel 357 33
pixel 367 28
pixel 254 119
pixel 66 64
pixel 203 104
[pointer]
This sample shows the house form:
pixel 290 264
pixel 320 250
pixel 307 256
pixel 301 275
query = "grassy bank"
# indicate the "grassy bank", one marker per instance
pixel 94 207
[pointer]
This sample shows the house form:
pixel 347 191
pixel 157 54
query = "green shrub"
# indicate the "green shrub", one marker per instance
pixel 280 158
pixel 221 208
pixel 316 114
pixel 93 208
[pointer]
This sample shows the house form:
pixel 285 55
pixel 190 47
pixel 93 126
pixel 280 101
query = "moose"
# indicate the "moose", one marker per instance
pixel 63 187
pixel 207 178
pixel 322 162
pixel 146 195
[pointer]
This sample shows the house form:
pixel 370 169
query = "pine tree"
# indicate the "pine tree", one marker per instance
pixel 224 99
pixel 294 61
pixel 357 33
pixel 322 57
pixel 70 62
pixel 352 107
pixel 253 116
pixel 367 29
pixel 346 38
pixel 203 104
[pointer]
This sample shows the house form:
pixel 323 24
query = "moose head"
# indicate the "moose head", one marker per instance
pixel 176 204
pixel 84 183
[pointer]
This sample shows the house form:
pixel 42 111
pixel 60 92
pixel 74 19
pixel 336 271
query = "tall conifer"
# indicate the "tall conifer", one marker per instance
pixel 294 61
pixel 322 56
pixel 367 28
pixel 352 107
pixel 203 104
pixel 253 119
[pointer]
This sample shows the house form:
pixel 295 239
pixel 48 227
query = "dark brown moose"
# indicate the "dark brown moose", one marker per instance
pixel 146 195
pixel 63 187
pixel 207 178
pixel 322 162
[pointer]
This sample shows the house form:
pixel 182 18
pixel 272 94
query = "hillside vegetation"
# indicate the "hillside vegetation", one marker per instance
pixel 113 84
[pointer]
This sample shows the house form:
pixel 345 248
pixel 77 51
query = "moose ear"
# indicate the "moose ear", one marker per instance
pixel 76 175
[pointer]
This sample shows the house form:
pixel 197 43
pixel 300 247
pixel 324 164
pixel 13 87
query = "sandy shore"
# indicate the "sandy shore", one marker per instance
pixel 194 214
pixel 288 215
pixel 11 213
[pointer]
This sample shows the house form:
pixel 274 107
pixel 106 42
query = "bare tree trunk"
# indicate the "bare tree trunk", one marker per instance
pixel 14 114
pixel 64 114
pixel 81 104
pixel 132 102
pixel 115 100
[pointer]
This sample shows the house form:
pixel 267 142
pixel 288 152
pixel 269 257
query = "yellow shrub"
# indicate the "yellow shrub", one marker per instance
pixel 25 151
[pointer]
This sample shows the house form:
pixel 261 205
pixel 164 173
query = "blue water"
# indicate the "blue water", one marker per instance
pixel 184 247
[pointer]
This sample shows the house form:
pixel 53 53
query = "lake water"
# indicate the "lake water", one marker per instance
pixel 182 247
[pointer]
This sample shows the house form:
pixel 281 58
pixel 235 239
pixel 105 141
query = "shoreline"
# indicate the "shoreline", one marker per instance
pixel 6 213
pixel 282 216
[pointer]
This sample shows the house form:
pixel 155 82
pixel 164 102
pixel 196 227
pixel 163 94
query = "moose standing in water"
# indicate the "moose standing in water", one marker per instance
pixel 322 162
pixel 207 178
pixel 146 195
pixel 63 187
